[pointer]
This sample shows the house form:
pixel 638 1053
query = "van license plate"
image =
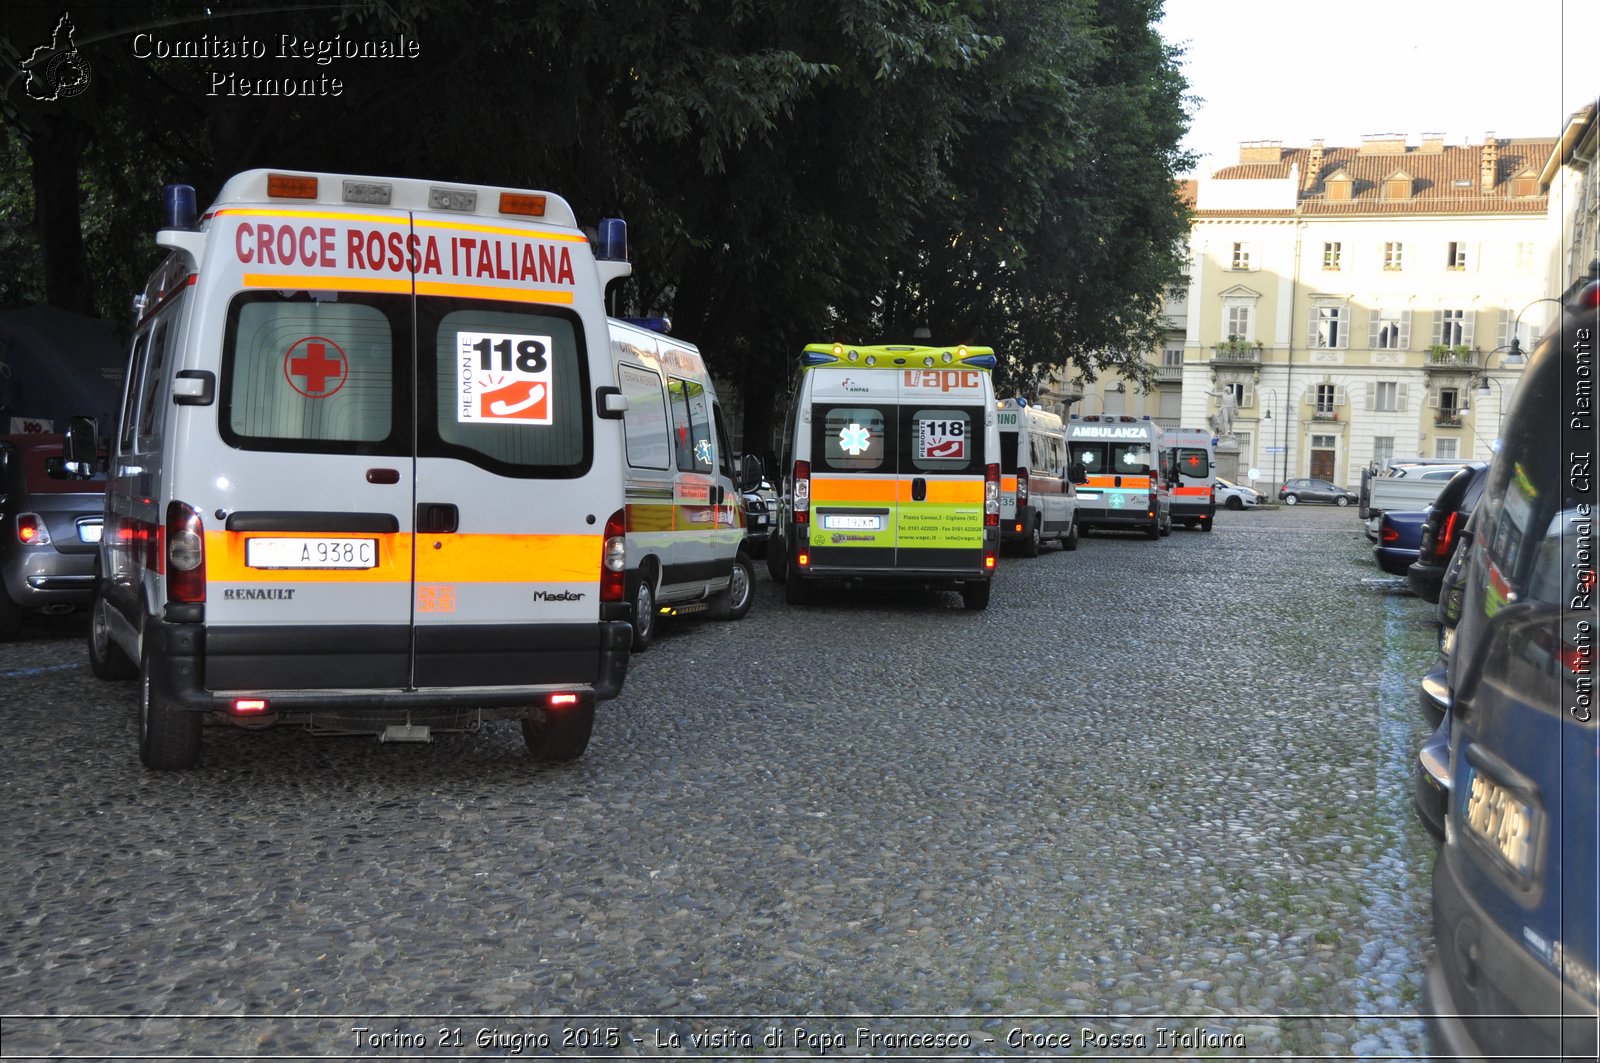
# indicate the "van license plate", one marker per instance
pixel 850 522
pixel 311 553
pixel 89 531
pixel 1501 820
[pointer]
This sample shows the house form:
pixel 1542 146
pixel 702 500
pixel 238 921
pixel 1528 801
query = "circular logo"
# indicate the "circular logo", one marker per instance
pixel 315 367
pixel 67 75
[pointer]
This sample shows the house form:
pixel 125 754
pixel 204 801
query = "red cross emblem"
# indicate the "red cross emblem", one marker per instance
pixel 317 361
pixel 1194 460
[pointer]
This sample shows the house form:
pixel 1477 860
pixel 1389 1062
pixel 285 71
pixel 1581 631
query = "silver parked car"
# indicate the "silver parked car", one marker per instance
pixel 49 525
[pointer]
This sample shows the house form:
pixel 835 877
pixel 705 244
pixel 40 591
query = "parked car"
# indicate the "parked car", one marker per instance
pixel 1399 537
pixel 1431 783
pixel 760 515
pixel 49 525
pixel 1313 490
pixel 1440 532
pixel 1236 496
pixel 1514 907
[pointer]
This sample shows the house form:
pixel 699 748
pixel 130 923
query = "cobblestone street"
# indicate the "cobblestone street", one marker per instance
pixel 1153 801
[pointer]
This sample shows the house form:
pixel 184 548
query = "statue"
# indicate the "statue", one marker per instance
pixel 1222 420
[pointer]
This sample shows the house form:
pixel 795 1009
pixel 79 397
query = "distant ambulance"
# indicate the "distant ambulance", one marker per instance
pixel 367 474
pixel 1125 480
pixel 1194 486
pixel 1037 501
pixel 891 459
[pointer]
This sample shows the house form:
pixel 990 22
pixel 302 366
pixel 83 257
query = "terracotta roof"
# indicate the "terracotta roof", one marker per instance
pixel 1446 180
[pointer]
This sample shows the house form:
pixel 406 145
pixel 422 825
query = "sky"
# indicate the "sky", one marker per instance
pixel 1294 70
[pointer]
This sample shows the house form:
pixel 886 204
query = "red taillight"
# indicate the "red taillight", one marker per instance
pixel 251 706
pixel 1022 487
pixel 614 560
pixel 1389 534
pixel 558 701
pixel 1447 535
pixel 31 530
pixel 185 554
pixel 991 495
pixel 800 493
pixel 802 559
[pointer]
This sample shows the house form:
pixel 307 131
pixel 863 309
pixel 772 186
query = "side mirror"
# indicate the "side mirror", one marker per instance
pixel 80 449
pixel 1077 473
pixel 750 473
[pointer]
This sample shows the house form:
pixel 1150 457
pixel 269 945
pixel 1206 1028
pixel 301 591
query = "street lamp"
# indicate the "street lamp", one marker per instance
pixel 1516 356
pixel 1284 450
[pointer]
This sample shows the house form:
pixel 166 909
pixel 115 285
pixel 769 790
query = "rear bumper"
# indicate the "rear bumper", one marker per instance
pixel 1486 994
pixel 1025 516
pixel 43 577
pixel 1430 792
pixel 1105 517
pixel 1395 562
pixel 204 671
pixel 1426 580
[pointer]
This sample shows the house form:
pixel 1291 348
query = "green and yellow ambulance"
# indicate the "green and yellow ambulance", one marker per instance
pixel 891 459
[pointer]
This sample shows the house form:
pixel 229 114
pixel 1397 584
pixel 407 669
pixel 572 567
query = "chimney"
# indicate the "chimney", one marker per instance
pixel 1314 166
pixel 1490 165
pixel 1432 143
pixel 1383 144
pixel 1260 151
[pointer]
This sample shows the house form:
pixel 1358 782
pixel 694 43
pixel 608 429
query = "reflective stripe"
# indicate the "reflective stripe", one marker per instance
pixel 865 489
pixel 471 558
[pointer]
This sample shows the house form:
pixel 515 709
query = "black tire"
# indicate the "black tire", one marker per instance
pixel 644 610
pixel 1234 502
pixel 1205 525
pixel 735 601
pixel 1166 527
pixel 106 659
pixel 796 591
pixel 1154 531
pixel 10 617
pixel 1341 501
pixel 1030 545
pixel 1070 541
pixel 975 595
pixel 169 737
pixel 560 735
pixel 1291 500
pixel 778 559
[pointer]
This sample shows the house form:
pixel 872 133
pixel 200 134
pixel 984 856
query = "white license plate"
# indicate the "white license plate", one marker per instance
pixel 1500 819
pixel 311 553
pixel 89 531
pixel 850 522
pixel 1092 496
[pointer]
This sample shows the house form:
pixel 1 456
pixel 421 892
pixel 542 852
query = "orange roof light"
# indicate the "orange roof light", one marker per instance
pixel 521 203
pixel 291 186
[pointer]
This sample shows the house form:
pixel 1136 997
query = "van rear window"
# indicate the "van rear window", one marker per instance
pixel 1194 462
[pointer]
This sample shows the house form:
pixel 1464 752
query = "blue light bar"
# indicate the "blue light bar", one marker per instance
pixel 817 358
pixel 613 240
pixel 654 324
pixel 178 207
pixel 985 361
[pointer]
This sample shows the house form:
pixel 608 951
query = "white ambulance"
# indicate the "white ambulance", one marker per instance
pixel 1191 455
pixel 1037 500
pixel 1120 465
pixel 891 459
pixel 367 471
pixel 685 525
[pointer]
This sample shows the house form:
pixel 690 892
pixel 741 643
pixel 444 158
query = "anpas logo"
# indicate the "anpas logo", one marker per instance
pixel 558 596
pixel 850 385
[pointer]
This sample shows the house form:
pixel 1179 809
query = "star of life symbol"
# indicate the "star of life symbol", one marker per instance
pixel 702 451
pixel 853 439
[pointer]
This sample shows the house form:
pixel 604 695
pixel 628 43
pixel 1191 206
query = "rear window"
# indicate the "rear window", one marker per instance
pixel 942 440
pixel 44 470
pixel 505 388
pixel 1194 462
pixel 1130 459
pixel 850 438
pixel 1008 451
pixel 1092 456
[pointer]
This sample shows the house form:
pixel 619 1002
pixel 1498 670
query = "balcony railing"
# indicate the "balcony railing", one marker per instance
pixel 1456 358
pixel 1446 420
pixel 1169 374
pixel 1236 352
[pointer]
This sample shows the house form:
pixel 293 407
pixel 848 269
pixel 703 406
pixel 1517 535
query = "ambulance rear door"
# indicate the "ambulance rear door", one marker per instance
pixel 945 418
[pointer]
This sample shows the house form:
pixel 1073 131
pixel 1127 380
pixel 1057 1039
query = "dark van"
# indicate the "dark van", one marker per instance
pixel 1515 891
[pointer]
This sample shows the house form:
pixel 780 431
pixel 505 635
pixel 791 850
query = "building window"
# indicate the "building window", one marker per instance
pixel 1452 327
pixel 1382 450
pixel 1389 332
pixel 1238 393
pixel 1456 255
pixel 1239 321
pixel 1393 255
pixel 1172 358
pixel 1241 256
pixel 1444 448
pixel 1449 402
pixel 1330 255
pixel 1325 399
pixel 1524 256
pixel 1328 326
pixel 1525 185
pixel 1387 397
pixel 1324 442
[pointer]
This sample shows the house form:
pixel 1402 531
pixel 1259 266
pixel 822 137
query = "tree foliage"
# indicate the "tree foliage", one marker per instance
pixel 998 172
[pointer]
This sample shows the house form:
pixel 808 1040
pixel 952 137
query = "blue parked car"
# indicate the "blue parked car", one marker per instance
pixel 1515 893
pixel 1399 540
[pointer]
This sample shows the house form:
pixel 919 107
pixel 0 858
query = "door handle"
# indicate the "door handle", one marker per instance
pixel 919 489
pixel 437 518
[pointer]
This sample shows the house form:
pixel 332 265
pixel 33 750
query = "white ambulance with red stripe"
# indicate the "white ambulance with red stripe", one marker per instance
pixel 1192 456
pixel 367 471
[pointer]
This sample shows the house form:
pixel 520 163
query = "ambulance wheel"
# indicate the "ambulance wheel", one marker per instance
pixel 106 659
pixel 1166 528
pixel 1205 525
pixel 1030 545
pixel 796 591
pixel 975 595
pixel 778 561
pixel 1154 531
pixel 169 737
pixel 1070 541
pixel 644 610
pixel 734 602
pixel 562 735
